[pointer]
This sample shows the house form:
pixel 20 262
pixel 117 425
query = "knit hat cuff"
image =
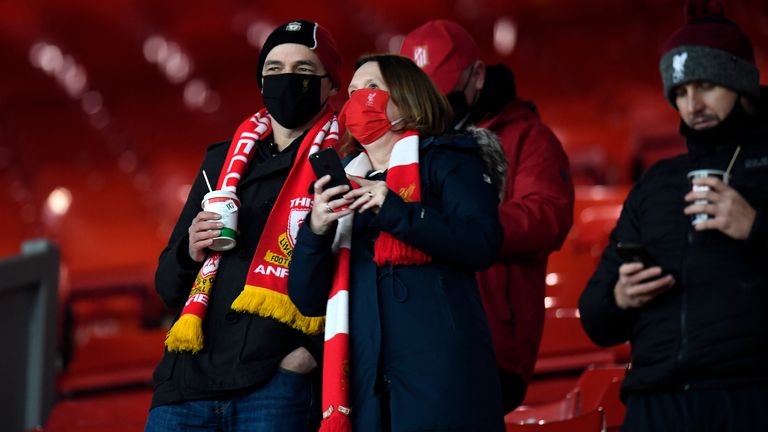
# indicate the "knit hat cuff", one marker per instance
pixel 313 36
pixel 687 63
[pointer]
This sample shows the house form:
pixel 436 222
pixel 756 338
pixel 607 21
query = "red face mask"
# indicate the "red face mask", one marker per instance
pixel 365 115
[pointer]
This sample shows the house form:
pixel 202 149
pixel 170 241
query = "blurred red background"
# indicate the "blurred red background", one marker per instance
pixel 106 107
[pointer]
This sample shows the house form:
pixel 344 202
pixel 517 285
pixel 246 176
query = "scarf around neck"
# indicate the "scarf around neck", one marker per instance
pixel 266 291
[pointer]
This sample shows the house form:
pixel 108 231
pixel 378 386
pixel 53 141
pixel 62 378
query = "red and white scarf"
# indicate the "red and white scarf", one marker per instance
pixel 402 178
pixel 266 290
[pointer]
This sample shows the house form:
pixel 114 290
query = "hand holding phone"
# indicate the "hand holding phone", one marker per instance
pixel 327 162
pixel 636 287
pixel 633 252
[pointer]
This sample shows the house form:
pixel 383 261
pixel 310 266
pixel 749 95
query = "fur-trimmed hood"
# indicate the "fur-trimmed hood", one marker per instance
pixel 493 155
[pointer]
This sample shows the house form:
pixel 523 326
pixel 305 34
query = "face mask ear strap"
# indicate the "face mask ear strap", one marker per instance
pixel 327 75
pixel 474 99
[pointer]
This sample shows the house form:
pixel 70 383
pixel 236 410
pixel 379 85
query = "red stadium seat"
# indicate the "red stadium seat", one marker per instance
pixel 599 387
pixel 552 411
pixel 546 388
pixel 111 362
pixel 596 389
pixel 110 342
pixel 566 347
pixel 592 421
pixel 124 411
pixel 595 212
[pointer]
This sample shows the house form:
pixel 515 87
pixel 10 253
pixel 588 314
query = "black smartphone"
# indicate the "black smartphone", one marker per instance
pixel 327 161
pixel 633 252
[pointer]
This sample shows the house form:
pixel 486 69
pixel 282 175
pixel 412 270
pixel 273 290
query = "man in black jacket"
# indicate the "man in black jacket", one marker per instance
pixel 251 372
pixel 696 313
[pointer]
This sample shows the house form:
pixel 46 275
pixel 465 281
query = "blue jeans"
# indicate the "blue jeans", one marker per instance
pixel 283 404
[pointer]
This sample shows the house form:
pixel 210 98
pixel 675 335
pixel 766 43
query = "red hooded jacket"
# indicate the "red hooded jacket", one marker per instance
pixel 536 213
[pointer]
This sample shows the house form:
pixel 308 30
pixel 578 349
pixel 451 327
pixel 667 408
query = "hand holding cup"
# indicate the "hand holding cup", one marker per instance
pixel 204 228
pixel 715 205
pixel 226 205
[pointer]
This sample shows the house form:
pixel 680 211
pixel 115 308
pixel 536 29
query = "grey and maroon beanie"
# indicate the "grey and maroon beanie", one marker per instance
pixel 709 47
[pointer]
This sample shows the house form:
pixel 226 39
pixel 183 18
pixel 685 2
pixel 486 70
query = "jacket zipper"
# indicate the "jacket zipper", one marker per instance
pixel 683 351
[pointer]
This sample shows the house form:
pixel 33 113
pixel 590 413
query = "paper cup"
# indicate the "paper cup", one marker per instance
pixel 227 205
pixel 701 217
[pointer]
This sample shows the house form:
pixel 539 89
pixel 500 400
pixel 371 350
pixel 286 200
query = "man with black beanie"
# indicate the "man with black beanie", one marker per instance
pixel 694 309
pixel 536 209
pixel 240 357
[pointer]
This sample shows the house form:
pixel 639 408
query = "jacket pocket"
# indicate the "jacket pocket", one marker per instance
pixel 263 339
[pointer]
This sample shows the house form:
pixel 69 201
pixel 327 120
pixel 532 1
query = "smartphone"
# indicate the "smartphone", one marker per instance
pixel 327 161
pixel 633 252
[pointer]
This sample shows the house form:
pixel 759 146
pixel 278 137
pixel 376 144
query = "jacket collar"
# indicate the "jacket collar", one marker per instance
pixel 514 111
pixel 267 162
pixel 738 128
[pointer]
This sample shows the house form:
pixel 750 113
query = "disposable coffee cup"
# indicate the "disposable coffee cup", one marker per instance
pixel 226 204
pixel 700 173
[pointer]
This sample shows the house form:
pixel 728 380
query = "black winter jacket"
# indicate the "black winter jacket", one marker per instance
pixel 710 330
pixel 240 350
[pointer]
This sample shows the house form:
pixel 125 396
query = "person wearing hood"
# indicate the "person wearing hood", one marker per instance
pixel 536 190
pixel 695 310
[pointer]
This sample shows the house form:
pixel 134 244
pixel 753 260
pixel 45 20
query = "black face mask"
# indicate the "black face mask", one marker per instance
pixel 461 109
pixel 292 99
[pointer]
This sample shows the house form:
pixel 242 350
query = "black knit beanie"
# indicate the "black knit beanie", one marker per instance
pixel 313 36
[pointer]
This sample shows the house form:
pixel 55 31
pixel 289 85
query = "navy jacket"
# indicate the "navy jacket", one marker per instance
pixel 418 334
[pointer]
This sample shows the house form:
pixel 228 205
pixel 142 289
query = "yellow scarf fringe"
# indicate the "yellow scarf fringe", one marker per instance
pixel 271 304
pixel 186 334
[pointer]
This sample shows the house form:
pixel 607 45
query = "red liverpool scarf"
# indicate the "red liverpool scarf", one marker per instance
pixel 402 178
pixel 266 291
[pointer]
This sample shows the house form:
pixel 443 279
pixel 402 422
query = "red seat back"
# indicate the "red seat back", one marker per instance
pixel 592 421
pixel 553 411
pixel 600 387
